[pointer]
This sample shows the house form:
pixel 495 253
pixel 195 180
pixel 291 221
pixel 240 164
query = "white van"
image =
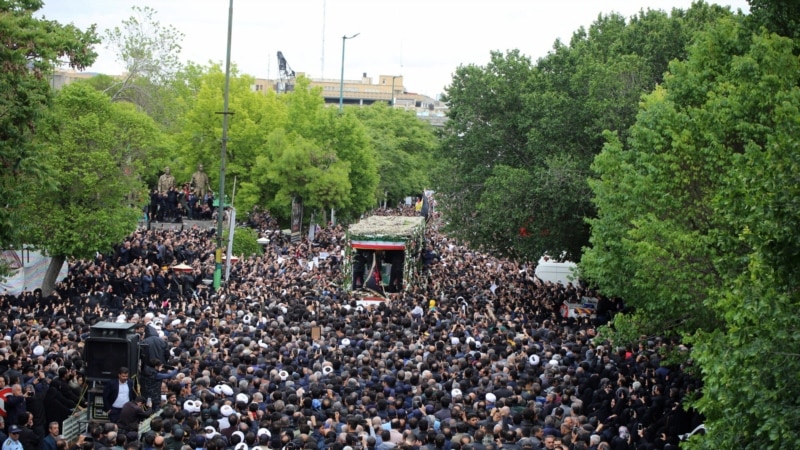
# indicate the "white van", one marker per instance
pixel 557 272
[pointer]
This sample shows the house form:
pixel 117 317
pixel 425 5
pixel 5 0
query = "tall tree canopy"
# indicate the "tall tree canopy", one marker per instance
pixel 404 147
pixel 150 55
pixel 95 150
pixel 280 146
pixel 201 130
pixel 697 227
pixel 778 16
pixel 29 49
pixel 521 136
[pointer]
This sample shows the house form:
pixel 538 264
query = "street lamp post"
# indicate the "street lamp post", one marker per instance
pixel 341 79
pixel 223 155
pixel 394 77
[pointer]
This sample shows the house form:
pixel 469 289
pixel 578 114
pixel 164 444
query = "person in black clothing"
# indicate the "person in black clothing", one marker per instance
pixel 155 200
pixel 172 203
pixel 131 415
pixel 27 436
pixel 15 405
pixel 162 206
pixel 34 403
pixel 61 383
pixel 155 347
pixel 152 377
pixel 191 205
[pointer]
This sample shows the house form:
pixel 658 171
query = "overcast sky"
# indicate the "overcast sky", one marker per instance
pixel 423 40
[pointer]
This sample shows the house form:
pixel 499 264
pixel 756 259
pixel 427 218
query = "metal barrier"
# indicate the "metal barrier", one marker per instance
pixel 74 425
pixel 144 426
pixel 77 423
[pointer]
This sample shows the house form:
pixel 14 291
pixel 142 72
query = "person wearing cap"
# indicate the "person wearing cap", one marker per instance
pixel 263 440
pixel 12 442
pixel 209 432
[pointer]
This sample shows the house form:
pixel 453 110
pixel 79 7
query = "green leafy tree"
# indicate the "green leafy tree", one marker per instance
pixel 254 116
pixel 487 127
pixel 30 48
pixel 342 135
pixel 182 94
pixel 405 148
pixel 348 137
pixel 777 16
pixel 299 167
pixel 696 227
pixel 150 54
pixel 245 242
pixel 537 128
pixel 93 197
pixel 280 147
pixel 559 189
pixel 318 155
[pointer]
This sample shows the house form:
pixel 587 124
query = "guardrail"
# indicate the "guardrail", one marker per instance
pixel 144 426
pixel 74 425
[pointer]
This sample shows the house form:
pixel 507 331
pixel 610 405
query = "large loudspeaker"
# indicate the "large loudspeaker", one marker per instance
pixel 111 346
pixel 113 330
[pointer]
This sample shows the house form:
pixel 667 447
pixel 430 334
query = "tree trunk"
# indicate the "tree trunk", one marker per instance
pixel 51 276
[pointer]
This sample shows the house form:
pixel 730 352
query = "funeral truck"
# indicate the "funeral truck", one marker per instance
pixel 382 254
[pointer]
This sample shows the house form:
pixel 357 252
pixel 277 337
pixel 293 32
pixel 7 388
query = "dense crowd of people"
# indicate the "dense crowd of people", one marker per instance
pixel 475 354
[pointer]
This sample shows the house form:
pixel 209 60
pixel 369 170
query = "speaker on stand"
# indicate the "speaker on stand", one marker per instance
pixel 110 345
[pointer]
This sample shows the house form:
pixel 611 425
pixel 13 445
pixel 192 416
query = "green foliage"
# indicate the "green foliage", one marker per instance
pixel 521 137
pixel 777 16
pixel 30 49
pixel 150 54
pixel 404 147
pixel 145 47
pixel 299 167
pixel 348 136
pixel 279 147
pixel 513 197
pixel 696 226
pixel 487 127
pixel 341 135
pixel 94 152
pixel 201 132
pixel 245 242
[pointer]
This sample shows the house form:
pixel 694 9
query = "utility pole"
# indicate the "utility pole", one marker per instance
pixel 223 155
